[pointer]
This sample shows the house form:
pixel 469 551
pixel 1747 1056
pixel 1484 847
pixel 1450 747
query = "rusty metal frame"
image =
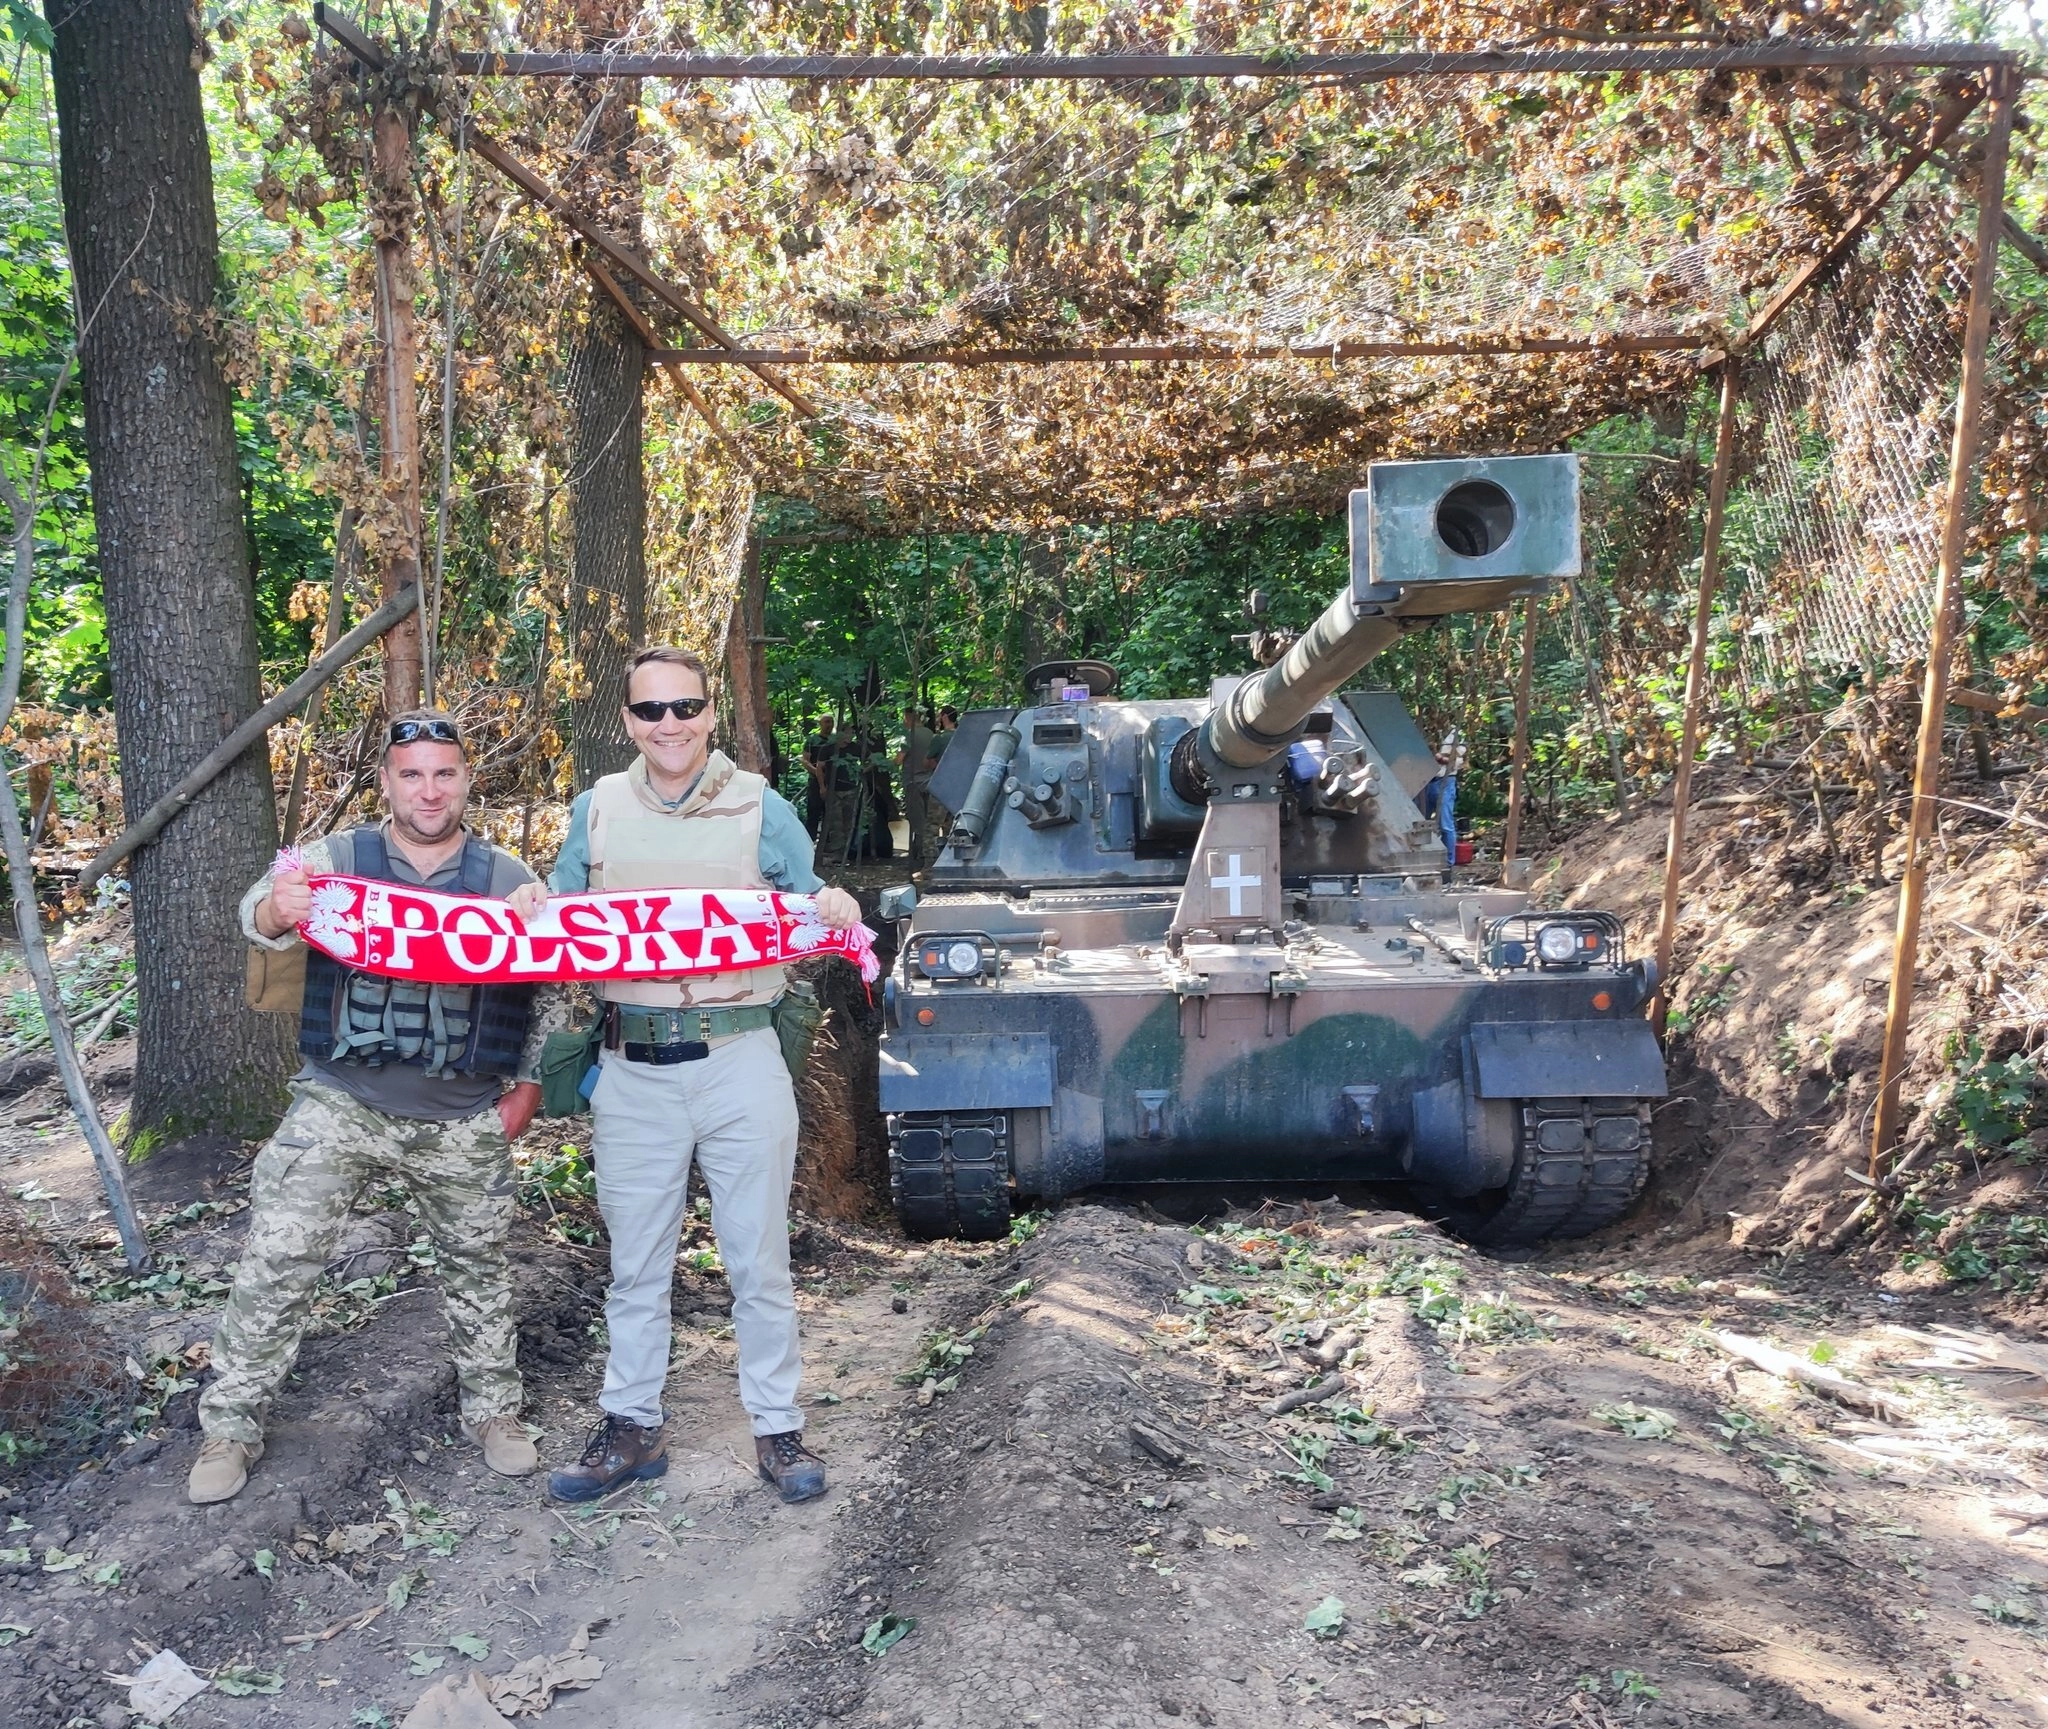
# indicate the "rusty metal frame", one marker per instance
pixel 1662 342
pixel 1351 67
pixel 1946 124
pixel 675 374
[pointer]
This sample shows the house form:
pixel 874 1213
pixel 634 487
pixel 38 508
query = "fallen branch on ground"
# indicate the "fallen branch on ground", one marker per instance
pixel 1327 1388
pixel 1983 702
pixel 1162 1446
pixel 1953 1350
pixel 356 1623
pixel 1820 1379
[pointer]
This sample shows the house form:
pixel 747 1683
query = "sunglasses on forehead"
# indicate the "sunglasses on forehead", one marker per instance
pixel 412 731
pixel 683 707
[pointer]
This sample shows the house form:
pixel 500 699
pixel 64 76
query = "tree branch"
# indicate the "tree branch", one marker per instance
pixel 152 821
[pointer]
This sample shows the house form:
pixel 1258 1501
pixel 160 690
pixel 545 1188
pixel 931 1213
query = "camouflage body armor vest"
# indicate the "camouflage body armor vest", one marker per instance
pixel 357 1017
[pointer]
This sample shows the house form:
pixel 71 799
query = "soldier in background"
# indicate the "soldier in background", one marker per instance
pixel 819 749
pixel 915 762
pixel 402 1081
pixel 940 818
pixel 877 796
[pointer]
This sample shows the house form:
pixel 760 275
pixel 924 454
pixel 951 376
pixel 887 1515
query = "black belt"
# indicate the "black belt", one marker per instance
pixel 689 1051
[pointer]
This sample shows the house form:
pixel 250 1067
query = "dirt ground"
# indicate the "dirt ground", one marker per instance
pixel 1534 1493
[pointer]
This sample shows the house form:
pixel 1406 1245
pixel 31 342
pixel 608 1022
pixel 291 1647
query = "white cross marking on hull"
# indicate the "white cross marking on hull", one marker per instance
pixel 1235 883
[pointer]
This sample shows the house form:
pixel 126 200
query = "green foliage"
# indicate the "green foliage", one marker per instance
pixel 90 978
pixel 289 525
pixel 1995 1101
pixel 861 626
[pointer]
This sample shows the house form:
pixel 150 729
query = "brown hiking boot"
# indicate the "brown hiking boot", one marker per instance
pixel 508 1449
pixel 221 1469
pixel 616 1452
pixel 797 1473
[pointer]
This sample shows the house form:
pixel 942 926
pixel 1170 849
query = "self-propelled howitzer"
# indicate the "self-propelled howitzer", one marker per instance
pixel 1215 938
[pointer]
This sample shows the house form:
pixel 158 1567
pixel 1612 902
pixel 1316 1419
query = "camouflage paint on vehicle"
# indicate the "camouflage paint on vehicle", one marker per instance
pixel 1214 938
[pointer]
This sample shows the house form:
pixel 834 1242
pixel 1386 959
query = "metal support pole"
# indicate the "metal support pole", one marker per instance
pixel 1940 643
pixel 1695 685
pixel 1518 773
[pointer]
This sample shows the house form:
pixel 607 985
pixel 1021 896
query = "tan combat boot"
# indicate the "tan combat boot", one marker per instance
pixel 221 1469
pixel 507 1448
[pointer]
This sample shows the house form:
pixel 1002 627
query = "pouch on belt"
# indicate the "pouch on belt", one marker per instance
pixel 568 1069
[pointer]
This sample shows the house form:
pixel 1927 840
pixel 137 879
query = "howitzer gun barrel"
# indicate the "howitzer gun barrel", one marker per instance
pixel 1265 714
pixel 1428 539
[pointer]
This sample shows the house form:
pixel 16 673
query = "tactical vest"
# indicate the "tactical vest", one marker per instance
pixel 357 1017
pixel 712 842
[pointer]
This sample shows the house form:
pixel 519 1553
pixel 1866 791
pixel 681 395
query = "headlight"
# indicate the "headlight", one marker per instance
pixel 949 957
pixel 1558 944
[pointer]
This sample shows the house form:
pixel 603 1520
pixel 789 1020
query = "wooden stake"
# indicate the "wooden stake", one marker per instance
pixel 1518 775
pixel 1695 686
pixel 398 543
pixel 1948 576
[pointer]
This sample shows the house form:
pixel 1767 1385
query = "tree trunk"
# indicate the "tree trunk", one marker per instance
pixel 174 562
pixel 746 668
pixel 608 486
pixel 398 417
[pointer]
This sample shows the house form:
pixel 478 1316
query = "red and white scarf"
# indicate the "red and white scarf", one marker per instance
pixel 411 933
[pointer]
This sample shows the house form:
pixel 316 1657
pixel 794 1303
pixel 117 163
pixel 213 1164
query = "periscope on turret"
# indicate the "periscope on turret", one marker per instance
pixel 1212 938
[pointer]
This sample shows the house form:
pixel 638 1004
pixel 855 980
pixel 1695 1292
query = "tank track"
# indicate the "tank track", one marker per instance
pixel 1558 1193
pixel 949 1173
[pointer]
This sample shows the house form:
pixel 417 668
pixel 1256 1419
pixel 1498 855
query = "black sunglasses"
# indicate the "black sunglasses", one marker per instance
pixel 412 731
pixel 683 707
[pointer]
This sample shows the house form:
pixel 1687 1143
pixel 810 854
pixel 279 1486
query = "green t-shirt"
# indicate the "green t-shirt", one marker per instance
pixel 918 754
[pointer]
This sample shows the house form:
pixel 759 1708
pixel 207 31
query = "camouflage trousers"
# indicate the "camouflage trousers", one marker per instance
pixel 325 1151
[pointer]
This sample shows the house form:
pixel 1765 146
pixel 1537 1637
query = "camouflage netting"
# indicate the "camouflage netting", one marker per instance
pixel 897 218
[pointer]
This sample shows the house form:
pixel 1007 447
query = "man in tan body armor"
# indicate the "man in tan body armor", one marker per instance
pixel 692 1068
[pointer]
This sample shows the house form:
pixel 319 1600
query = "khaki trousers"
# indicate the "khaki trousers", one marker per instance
pixel 735 1114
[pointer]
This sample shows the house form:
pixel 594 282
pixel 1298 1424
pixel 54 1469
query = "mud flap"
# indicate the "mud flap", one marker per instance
pixel 1072 1156
pixel 1566 1060
pixel 967 1072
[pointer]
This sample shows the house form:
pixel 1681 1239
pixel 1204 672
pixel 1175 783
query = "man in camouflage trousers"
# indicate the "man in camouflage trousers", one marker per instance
pixel 403 1082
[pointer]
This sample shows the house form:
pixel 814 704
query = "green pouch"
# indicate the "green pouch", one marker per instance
pixel 566 1062
pixel 798 1017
